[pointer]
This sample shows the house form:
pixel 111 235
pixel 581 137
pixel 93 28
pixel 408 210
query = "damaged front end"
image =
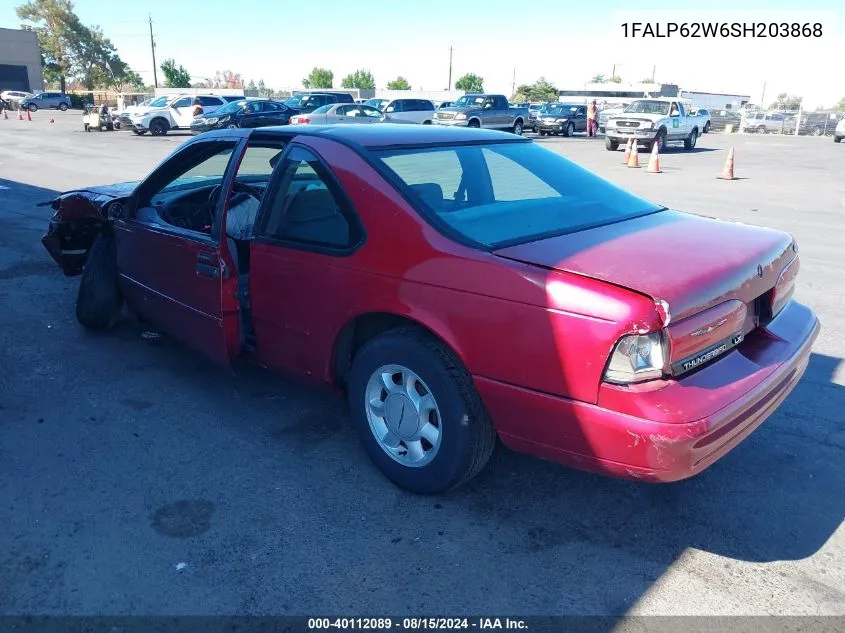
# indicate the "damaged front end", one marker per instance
pixel 79 217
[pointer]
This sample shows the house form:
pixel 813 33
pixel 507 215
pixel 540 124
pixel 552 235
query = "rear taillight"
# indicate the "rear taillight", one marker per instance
pixel 785 286
pixel 300 120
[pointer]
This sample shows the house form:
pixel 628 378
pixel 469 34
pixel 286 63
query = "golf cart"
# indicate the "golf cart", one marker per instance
pixel 97 118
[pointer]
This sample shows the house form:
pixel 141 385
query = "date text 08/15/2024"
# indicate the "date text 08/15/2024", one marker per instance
pixel 722 29
pixel 415 624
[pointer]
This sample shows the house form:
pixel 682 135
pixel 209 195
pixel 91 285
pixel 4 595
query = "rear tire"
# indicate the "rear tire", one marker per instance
pixel 610 145
pixel 99 300
pixel 837 139
pixel 707 127
pixel 466 437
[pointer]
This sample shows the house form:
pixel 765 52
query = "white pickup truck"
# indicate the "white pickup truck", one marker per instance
pixel 650 121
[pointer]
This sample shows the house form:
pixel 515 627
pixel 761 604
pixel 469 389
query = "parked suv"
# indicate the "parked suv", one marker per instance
pixel 45 100
pixel 14 97
pixel 176 113
pixel 306 102
pixel 762 123
pixel 819 123
pixel 411 110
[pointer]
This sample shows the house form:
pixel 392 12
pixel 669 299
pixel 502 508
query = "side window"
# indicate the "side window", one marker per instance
pixel 427 105
pixel 306 208
pixel 179 193
pixel 341 110
pixel 210 101
pixel 371 112
pixel 251 182
pixel 185 102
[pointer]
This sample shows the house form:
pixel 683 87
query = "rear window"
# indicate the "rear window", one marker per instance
pixel 508 193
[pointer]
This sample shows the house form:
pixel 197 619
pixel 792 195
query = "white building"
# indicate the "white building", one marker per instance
pixel 715 100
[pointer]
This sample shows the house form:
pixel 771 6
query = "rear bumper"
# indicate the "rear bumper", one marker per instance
pixel 664 432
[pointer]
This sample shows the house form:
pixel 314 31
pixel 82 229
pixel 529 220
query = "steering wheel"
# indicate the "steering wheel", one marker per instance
pixel 238 187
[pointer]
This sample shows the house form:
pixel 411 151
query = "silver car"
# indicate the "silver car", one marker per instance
pixel 335 113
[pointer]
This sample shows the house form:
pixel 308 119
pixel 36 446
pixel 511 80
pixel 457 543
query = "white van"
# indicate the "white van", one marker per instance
pixel 411 110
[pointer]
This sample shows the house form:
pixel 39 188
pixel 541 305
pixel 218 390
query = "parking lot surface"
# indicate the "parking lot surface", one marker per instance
pixel 138 478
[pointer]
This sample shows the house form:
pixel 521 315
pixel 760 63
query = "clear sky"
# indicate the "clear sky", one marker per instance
pixel 567 42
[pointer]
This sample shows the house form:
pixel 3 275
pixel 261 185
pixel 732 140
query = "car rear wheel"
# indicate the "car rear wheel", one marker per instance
pixel 761 129
pixel 707 127
pixel 610 145
pixel 159 127
pixel 417 412
pixel 63 107
pixel 99 300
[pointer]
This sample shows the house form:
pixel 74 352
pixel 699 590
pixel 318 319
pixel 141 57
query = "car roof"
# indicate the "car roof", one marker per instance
pixel 379 135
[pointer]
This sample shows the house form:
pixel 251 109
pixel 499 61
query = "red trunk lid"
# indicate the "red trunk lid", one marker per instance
pixel 690 262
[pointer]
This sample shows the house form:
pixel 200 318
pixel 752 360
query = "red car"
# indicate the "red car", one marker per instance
pixel 458 285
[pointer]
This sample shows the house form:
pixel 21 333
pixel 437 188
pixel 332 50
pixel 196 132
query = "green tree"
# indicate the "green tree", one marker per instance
pixel 840 107
pixel 540 91
pixel 786 102
pixel 175 77
pixel 470 83
pixel 616 79
pixel 319 78
pixel 361 79
pixel 71 50
pixel 251 85
pixel 262 89
pixel 400 83
pixel 598 79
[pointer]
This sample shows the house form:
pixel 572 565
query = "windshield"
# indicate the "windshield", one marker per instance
pixel 649 107
pixel 560 109
pixel 378 104
pixel 230 108
pixel 509 193
pixel 469 100
pixel 160 102
pixel 297 101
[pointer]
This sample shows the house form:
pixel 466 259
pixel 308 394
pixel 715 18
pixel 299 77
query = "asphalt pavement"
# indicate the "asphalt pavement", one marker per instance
pixel 138 478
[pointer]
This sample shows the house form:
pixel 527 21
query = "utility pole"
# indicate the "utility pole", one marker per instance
pixel 153 49
pixel 763 98
pixel 613 74
pixel 653 73
pixel 449 86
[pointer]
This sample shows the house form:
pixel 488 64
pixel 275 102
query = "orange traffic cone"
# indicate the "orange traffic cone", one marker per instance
pixel 728 171
pixel 5 115
pixel 634 159
pixel 20 114
pixel 52 121
pixel 28 116
pixel 654 161
pixel 627 152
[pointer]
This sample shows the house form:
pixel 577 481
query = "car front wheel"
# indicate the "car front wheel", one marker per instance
pixel 32 107
pixel 610 145
pixel 159 127
pixel 99 300
pixel 417 412
pixel 63 107
pixel 517 128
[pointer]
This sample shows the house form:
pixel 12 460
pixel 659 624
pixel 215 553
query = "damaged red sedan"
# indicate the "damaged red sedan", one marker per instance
pixel 458 285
